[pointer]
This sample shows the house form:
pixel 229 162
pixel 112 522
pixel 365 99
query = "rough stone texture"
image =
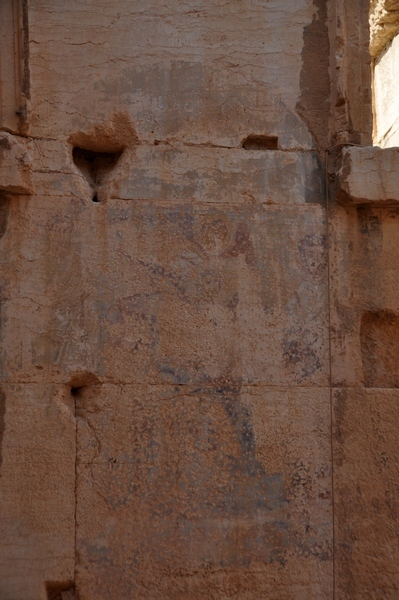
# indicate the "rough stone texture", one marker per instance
pixel 386 92
pixel 215 492
pixel 169 330
pixel 364 259
pixel 384 24
pixel 15 166
pixel 369 175
pixel 351 97
pixel 14 66
pixel 364 316
pixel 366 485
pixel 37 489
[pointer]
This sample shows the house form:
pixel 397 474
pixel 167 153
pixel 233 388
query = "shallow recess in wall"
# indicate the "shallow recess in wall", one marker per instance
pixel 95 166
pixel 75 390
pixel 80 380
pixel 379 340
pixel 60 591
pixel 260 142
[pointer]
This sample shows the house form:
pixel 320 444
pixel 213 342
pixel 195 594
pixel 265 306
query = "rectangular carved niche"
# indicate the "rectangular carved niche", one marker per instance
pixel 379 339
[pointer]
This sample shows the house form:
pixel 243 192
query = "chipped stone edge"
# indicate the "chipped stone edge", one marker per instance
pixel 384 24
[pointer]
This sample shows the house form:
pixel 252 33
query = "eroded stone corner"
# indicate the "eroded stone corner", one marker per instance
pixel 15 165
pixel 368 175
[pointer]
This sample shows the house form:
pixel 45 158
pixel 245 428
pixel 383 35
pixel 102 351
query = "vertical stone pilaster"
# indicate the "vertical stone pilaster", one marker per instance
pixel 14 65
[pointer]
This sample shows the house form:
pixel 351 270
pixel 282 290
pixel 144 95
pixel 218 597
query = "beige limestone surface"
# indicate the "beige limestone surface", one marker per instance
pixel 386 96
pixel 384 24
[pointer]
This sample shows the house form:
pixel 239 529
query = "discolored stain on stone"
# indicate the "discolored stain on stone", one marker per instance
pixel 314 103
pixel 242 245
pixel 370 222
pixel 4 214
pixel 313 251
pixel 379 340
pixel 301 353
pixel 5 143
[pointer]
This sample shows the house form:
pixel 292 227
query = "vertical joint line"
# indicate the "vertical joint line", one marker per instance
pixel 76 496
pixel 330 370
pixel 327 154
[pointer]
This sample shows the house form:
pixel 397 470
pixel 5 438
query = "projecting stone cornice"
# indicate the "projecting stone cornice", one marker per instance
pixel 15 166
pixel 369 175
pixel 384 24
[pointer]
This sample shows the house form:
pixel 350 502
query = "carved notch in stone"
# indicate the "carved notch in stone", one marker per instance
pixel 96 152
pixel 94 166
pixel 60 591
pixel 260 142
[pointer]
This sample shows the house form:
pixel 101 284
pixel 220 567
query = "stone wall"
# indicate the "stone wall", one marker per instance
pixel 188 403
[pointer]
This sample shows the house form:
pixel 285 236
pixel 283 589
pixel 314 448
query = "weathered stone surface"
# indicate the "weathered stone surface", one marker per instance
pixel 37 447
pixel 386 92
pixel 166 476
pixel 384 24
pixel 369 176
pixel 14 66
pixel 190 271
pixel 366 453
pixel 179 302
pixel 15 165
pixel 351 94
pixel 364 252
pixel 219 175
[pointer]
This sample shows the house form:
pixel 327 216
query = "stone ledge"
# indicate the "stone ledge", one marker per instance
pixel 369 175
pixel 15 166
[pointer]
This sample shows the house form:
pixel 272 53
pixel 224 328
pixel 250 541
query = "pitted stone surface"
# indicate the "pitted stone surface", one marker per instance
pixel 15 165
pixel 369 176
pixel 179 294
pixel 384 24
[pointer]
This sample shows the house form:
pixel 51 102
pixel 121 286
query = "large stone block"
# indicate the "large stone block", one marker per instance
pixel 216 490
pixel 37 490
pixel 369 175
pixel 185 292
pixel 220 175
pixel 200 75
pixel 364 253
pixel 366 489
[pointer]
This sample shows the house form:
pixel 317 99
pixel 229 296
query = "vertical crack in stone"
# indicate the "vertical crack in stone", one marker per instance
pixel 2 422
pixel 78 382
